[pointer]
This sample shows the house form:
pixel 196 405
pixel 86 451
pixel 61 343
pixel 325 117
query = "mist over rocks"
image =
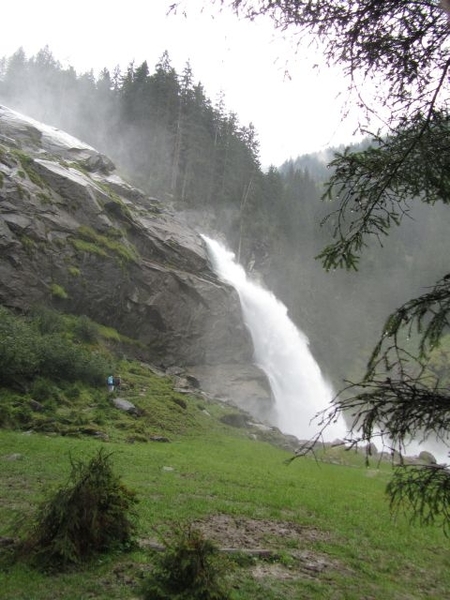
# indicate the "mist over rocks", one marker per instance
pixel 246 387
pixel 75 236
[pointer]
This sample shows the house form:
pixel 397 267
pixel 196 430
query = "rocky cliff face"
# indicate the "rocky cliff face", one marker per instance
pixel 75 235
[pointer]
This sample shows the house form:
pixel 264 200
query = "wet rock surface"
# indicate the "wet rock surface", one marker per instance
pixel 76 236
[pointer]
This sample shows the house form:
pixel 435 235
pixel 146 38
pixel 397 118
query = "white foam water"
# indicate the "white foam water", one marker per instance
pixel 281 350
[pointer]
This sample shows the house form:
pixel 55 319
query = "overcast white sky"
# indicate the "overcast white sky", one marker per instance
pixel 294 108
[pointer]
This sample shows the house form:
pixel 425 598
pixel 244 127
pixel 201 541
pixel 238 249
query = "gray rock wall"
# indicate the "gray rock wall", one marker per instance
pixel 74 235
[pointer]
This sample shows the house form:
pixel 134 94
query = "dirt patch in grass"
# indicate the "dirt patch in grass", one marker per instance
pixel 286 557
pixel 280 549
pixel 251 534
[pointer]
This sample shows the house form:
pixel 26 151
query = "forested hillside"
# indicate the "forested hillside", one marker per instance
pixel 167 137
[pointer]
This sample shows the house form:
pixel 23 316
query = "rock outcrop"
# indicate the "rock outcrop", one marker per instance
pixel 75 235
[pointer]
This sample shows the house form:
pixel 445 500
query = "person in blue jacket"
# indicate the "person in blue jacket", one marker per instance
pixel 110 381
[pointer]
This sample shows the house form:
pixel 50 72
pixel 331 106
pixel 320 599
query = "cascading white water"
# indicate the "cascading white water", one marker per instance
pixel 281 351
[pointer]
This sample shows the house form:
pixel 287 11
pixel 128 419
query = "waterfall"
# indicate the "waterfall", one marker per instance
pixel 280 350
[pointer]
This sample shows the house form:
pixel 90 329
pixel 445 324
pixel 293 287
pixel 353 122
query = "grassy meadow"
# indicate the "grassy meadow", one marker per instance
pixel 328 525
pixel 313 529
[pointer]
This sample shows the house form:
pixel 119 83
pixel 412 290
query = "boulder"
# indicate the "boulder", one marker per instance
pixel 426 458
pixel 243 385
pixel 126 406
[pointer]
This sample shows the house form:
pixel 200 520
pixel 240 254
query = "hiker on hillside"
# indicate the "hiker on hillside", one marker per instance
pixel 110 382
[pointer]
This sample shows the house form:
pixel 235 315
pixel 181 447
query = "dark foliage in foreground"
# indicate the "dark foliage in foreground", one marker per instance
pixel 92 513
pixel 422 492
pixel 189 569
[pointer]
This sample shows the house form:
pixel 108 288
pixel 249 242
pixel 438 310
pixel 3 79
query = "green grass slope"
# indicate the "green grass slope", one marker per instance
pixel 308 530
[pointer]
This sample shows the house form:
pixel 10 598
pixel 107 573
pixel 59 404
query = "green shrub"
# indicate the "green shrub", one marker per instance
pixel 47 320
pixel 88 247
pixel 189 569
pixel 181 403
pixel 14 410
pixel 58 291
pixel 73 391
pixel 74 271
pixel 91 514
pixel 61 359
pixel 85 329
pixel 108 243
pixel 28 244
pixel 18 350
pixel 109 333
pixel 40 348
pixel 114 233
pixel 43 390
pixel 44 198
pixel 28 166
